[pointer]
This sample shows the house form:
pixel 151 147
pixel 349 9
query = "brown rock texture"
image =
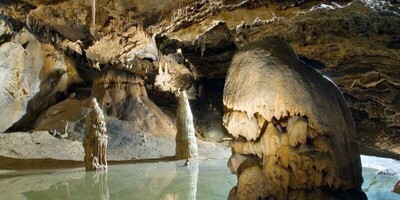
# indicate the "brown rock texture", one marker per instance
pixel 30 71
pixel 276 109
pixel 39 145
pixel 95 141
pixel 122 94
pixel 396 187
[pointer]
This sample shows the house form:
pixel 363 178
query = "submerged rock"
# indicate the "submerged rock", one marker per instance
pixel 396 187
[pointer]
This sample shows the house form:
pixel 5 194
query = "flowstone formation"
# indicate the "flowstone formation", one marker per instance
pixel 95 141
pixel 122 95
pixel 294 136
pixel 186 145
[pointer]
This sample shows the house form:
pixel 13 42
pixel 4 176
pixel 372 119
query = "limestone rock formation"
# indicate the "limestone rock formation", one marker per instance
pixel 122 95
pixel 39 145
pixel 396 187
pixel 65 120
pixel 5 30
pixel 171 44
pixel 186 145
pixel 294 120
pixel 358 50
pixel 172 74
pixel 30 72
pixel 19 78
pixel 95 141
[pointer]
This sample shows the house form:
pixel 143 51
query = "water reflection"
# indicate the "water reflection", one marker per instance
pixel 97 183
pixel 168 180
pixel 209 179
pixel 194 173
pixel 185 182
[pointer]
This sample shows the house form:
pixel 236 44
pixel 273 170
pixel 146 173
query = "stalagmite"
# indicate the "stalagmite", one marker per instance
pixel 186 145
pixel 95 141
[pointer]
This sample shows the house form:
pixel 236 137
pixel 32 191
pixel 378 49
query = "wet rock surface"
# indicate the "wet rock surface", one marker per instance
pixel 396 187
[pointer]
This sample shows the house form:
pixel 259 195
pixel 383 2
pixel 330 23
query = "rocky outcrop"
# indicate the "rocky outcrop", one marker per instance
pixel 31 71
pixel 396 187
pixel 39 145
pixel 19 77
pixel 361 60
pixel 122 95
pixel 276 109
pixel 5 31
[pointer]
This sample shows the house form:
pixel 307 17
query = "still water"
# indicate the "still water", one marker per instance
pixel 207 179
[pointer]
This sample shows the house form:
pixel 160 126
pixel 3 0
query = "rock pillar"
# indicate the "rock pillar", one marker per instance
pixel 95 141
pixel 186 145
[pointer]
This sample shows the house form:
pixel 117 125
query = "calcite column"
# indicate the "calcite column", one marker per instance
pixel 186 145
pixel 95 141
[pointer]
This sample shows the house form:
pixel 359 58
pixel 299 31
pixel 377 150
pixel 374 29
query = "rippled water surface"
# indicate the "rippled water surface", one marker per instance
pixel 208 179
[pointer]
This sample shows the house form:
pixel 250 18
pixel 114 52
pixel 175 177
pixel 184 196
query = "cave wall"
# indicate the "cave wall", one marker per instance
pixel 187 44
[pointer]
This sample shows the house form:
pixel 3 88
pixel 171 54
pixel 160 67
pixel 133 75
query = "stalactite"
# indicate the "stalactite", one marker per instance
pixel 93 13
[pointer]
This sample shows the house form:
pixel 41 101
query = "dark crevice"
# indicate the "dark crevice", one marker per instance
pixel 312 63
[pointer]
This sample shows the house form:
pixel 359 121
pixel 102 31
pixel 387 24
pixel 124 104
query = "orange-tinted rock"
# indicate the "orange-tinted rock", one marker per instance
pixel 266 79
pixel 95 141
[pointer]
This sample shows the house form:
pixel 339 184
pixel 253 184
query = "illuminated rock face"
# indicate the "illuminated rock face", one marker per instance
pixel 31 74
pixel 122 95
pixel 292 123
pixel 95 141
